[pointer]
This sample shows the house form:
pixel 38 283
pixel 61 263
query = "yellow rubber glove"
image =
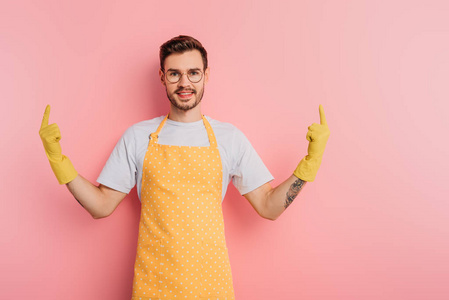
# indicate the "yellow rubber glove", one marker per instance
pixel 60 164
pixel 317 136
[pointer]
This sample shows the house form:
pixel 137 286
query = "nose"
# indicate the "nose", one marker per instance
pixel 184 80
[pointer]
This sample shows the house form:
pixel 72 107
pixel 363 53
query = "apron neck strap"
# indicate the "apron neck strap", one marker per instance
pixel 210 133
pixel 155 135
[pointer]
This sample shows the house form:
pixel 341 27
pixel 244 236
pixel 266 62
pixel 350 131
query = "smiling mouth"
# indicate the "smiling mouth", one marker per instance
pixel 185 95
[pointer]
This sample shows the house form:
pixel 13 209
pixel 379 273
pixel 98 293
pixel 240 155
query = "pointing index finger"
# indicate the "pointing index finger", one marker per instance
pixel 322 116
pixel 46 116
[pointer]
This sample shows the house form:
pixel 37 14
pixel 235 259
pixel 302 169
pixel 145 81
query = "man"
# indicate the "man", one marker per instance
pixel 182 164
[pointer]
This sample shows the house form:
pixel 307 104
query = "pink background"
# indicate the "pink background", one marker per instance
pixel 373 225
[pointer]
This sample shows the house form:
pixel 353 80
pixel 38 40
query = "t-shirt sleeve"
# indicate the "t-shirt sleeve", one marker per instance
pixel 248 171
pixel 119 173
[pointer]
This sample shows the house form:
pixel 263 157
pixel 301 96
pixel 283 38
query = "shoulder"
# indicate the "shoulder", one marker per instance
pixel 229 137
pixel 143 128
pixel 147 123
pixel 224 128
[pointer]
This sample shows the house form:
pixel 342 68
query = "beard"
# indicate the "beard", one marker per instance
pixel 186 106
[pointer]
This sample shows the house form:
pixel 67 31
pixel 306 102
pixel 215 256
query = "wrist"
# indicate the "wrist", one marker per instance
pixel 63 170
pixel 308 168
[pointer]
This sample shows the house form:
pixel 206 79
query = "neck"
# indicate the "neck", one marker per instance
pixel 191 115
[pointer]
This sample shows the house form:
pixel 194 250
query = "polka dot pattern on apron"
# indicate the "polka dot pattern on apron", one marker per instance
pixel 181 251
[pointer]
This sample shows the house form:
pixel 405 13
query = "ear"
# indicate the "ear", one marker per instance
pixel 206 75
pixel 162 77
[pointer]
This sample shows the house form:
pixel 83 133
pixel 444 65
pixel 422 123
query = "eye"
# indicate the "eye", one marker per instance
pixel 194 73
pixel 173 73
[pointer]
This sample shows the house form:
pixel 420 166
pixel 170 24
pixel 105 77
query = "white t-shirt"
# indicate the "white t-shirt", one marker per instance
pixel 240 161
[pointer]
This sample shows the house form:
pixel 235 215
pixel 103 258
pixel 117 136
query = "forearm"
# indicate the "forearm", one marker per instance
pixel 279 198
pixel 89 196
pixel 99 201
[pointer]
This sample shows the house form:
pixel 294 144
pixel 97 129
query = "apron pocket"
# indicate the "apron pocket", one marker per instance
pixel 147 269
pixel 216 277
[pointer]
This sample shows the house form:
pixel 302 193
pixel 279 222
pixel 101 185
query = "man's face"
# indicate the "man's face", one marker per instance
pixel 184 94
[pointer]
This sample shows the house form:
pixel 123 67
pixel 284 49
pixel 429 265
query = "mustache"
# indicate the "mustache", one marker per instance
pixel 181 90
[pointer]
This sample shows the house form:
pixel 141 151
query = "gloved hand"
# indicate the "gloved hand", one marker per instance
pixel 60 164
pixel 317 136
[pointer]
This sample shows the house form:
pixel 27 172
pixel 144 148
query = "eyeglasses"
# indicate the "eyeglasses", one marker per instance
pixel 173 76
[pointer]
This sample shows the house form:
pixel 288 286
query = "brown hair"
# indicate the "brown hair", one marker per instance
pixel 181 44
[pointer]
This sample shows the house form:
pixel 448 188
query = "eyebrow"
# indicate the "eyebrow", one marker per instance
pixel 193 69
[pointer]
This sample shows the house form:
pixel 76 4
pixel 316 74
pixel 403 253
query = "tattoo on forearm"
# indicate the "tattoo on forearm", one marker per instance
pixel 295 188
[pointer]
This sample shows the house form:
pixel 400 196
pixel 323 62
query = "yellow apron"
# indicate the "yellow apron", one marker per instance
pixel 181 251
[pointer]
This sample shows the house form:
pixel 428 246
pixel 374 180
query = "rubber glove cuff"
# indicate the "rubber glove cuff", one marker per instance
pixel 308 168
pixel 63 169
